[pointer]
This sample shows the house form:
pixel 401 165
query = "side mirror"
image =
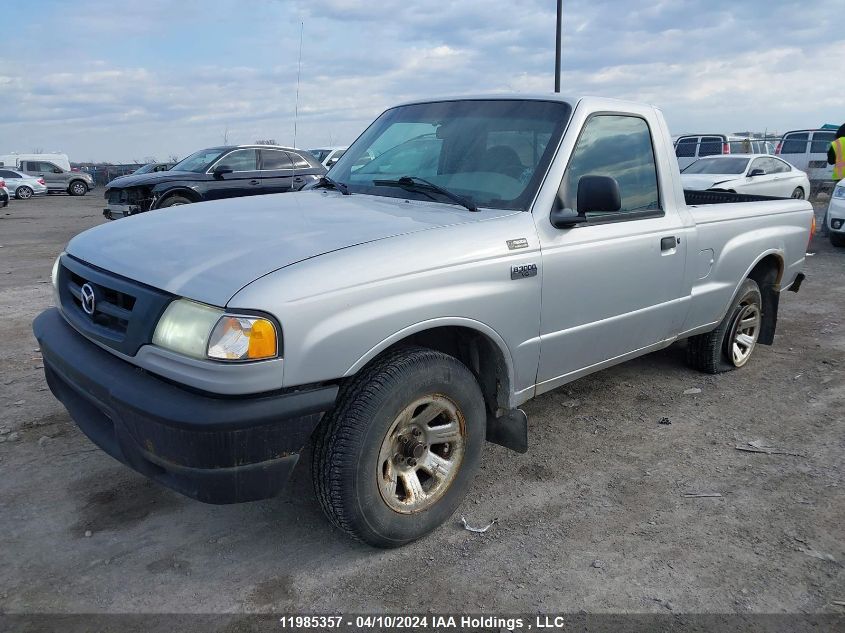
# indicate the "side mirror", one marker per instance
pixel 595 193
pixel 756 172
pixel 331 161
pixel 221 170
pixel 57 171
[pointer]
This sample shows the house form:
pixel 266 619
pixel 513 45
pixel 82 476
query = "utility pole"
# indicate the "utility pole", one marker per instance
pixel 558 44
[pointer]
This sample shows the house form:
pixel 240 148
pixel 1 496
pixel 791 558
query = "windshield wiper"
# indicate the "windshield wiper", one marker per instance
pixel 331 183
pixel 413 183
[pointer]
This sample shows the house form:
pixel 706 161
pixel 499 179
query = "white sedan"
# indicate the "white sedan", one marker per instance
pixel 755 174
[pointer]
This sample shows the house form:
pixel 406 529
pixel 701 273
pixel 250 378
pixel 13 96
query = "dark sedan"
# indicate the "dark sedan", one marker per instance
pixel 213 174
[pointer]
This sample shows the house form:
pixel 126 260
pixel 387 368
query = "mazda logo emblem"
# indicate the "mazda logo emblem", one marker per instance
pixel 88 300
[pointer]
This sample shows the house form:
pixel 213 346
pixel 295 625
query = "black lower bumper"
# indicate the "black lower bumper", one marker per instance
pixel 214 449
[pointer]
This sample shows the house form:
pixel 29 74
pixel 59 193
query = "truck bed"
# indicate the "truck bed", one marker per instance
pixel 697 198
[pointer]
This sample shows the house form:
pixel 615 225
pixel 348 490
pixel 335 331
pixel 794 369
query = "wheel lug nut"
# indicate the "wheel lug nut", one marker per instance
pixel 412 462
pixel 417 432
pixel 398 458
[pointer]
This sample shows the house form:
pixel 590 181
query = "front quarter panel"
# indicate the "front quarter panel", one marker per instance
pixel 340 309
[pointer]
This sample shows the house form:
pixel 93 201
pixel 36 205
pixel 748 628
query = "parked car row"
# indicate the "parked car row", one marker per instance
pixel 689 148
pixel 52 171
pixel 212 174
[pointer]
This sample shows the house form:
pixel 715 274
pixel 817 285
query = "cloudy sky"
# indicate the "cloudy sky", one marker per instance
pixel 125 80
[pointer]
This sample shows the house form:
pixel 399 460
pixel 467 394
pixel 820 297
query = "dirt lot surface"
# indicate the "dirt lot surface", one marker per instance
pixel 593 518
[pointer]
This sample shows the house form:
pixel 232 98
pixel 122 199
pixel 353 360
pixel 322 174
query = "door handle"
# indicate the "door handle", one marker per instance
pixel 298 179
pixel 255 182
pixel 668 243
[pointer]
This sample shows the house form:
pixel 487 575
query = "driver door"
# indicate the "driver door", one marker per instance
pixel 243 179
pixel 614 285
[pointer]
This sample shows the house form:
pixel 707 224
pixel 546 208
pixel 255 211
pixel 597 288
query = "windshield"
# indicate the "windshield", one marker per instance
pixel 494 152
pixel 198 161
pixel 145 169
pixel 718 166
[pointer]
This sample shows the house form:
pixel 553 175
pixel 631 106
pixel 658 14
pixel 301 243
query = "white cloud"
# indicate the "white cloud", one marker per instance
pixel 157 78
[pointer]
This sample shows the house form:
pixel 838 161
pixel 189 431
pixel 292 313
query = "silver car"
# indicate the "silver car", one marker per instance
pixel 22 185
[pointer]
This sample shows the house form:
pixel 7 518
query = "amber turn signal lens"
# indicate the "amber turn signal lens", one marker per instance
pixel 262 339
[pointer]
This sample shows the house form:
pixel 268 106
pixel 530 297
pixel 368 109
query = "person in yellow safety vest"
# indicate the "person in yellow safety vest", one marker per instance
pixel 836 154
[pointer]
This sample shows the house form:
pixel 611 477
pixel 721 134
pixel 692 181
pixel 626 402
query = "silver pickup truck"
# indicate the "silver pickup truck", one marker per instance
pixel 463 256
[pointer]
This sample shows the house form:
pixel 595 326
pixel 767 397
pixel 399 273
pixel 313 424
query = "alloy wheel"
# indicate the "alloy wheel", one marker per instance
pixel 421 454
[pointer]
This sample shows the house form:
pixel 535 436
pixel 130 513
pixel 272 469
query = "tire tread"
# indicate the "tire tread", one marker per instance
pixel 342 430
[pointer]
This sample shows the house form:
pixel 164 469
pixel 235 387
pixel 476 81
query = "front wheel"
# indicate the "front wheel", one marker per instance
pixel 731 344
pixel 77 188
pixel 174 201
pixel 395 457
pixel 798 194
pixel 23 193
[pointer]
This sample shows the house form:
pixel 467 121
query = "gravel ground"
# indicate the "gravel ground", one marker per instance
pixel 593 518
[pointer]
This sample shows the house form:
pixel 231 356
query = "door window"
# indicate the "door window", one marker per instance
pixel 8 174
pixel 274 159
pixel 821 142
pixel 686 147
pixel 620 147
pixel 780 167
pixel 239 160
pixel 298 161
pixel 760 163
pixel 710 146
pixel 795 143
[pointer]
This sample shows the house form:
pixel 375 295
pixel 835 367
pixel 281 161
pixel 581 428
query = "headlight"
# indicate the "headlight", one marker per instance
pixel 839 191
pixel 203 331
pixel 242 338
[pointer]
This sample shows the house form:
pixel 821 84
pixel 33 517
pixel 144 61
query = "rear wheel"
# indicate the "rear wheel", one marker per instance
pixel 395 457
pixel 731 344
pixel 798 194
pixel 77 188
pixel 23 193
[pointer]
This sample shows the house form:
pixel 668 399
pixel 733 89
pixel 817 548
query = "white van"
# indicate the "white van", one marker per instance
pixel 690 147
pixel 807 150
pixel 14 160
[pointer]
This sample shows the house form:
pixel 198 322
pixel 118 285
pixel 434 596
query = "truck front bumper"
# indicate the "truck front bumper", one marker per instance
pixel 214 449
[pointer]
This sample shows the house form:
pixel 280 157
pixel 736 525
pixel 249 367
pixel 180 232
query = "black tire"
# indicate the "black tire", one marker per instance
pixel 712 352
pixel 77 188
pixel 349 444
pixel 174 201
pixel 837 239
pixel 23 193
pixel 798 194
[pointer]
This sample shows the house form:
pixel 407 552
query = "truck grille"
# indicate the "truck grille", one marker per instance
pixel 109 309
pixel 112 309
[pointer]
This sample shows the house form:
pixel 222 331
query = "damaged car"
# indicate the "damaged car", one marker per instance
pixel 213 174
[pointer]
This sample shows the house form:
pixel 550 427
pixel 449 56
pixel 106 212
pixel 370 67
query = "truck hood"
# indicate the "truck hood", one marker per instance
pixel 210 250
pixel 701 182
pixel 153 178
